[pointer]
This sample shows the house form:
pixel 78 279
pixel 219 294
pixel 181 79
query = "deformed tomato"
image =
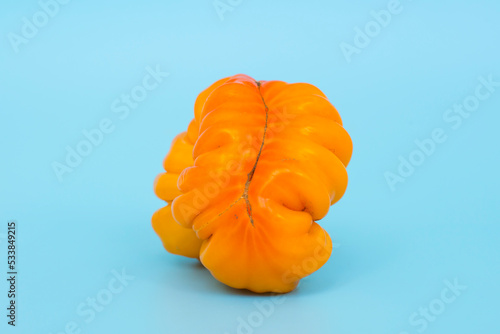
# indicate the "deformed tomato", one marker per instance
pixel 260 163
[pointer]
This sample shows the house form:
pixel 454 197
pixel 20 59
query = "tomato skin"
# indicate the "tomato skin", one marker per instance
pixel 260 163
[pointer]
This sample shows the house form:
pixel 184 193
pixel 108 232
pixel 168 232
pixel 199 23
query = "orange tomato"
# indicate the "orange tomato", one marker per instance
pixel 259 165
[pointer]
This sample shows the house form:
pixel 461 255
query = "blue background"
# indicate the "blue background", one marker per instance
pixel 394 248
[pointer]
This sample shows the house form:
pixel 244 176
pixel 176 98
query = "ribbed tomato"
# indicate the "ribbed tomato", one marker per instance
pixel 260 163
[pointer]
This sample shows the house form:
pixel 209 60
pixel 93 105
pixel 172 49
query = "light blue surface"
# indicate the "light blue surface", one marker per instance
pixel 394 248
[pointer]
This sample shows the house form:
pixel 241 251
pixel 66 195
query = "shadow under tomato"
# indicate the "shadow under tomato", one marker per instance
pixel 362 253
